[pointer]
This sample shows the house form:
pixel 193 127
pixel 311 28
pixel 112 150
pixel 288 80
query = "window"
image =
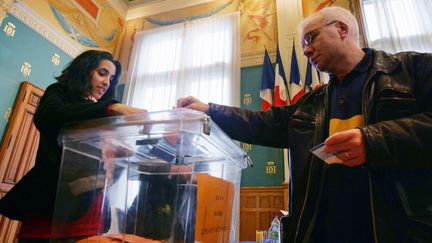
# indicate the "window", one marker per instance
pixel 199 58
pixel 398 25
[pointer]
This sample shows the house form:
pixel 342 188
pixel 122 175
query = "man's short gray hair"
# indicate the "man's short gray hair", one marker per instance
pixel 329 14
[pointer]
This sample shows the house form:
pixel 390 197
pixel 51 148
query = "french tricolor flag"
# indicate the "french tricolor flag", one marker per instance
pixel 311 78
pixel 296 89
pixel 280 91
pixel 267 83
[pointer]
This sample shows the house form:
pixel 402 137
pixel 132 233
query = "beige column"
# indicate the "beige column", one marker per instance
pixel 289 15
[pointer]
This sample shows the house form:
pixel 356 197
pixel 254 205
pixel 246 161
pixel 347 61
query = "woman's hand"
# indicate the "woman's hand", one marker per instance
pixel 121 109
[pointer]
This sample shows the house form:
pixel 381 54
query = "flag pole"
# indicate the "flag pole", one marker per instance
pixel 319 78
pixel 305 89
pixel 289 93
pixel 288 87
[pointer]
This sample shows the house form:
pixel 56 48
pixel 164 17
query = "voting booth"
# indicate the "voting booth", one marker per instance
pixel 169 176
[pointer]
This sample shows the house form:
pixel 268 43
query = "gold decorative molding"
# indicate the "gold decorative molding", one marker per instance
pixel 247 99
pixel 270 167
pixel 55 59
pixel 7 114
pixel 26 69
pixel 247 147
pixel 9 29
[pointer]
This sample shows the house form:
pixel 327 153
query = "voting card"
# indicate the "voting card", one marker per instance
pixel 318 151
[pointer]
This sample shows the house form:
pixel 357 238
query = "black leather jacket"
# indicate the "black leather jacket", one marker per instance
pixel 397 109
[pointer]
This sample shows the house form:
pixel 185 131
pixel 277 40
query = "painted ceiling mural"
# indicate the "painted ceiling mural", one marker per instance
pixel 91 23
pixel 257 20
pixel 258 24
pixel 312 6
pixel 190 13
pixel 209 13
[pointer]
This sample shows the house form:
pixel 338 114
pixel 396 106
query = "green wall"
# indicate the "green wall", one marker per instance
pixel 25 46
pixel 268 169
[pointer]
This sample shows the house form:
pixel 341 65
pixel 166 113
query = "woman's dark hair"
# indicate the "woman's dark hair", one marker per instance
pixel 76 75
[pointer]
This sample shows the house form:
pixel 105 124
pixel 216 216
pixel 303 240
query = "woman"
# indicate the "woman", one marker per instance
pixel 83 91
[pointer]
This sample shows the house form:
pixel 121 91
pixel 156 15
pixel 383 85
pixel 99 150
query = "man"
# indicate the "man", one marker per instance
pixel 375 115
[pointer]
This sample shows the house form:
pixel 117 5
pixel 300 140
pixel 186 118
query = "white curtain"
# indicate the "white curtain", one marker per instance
pixel 398 25
pixel 199 58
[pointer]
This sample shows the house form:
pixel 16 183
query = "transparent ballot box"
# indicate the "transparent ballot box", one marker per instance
pixel 169 176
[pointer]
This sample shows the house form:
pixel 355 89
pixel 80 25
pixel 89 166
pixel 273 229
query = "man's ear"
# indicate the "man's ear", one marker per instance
pixel 343 29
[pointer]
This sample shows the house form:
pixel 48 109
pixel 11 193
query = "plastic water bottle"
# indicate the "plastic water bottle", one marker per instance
pixel 273 235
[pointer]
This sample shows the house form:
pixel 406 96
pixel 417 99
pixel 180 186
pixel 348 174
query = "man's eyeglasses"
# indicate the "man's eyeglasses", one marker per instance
pixel 308 37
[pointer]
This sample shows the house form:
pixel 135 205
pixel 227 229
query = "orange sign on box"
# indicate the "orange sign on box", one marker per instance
pixel 214 209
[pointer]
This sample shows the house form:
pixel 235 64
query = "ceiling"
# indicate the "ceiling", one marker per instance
pixel 132 9
pixel 135 3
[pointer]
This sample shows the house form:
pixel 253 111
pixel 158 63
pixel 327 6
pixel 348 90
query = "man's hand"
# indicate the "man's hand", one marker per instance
pixel 192 103
pixel 348 146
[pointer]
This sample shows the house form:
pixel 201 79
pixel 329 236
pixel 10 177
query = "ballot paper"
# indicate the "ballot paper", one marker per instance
pixel 318 151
